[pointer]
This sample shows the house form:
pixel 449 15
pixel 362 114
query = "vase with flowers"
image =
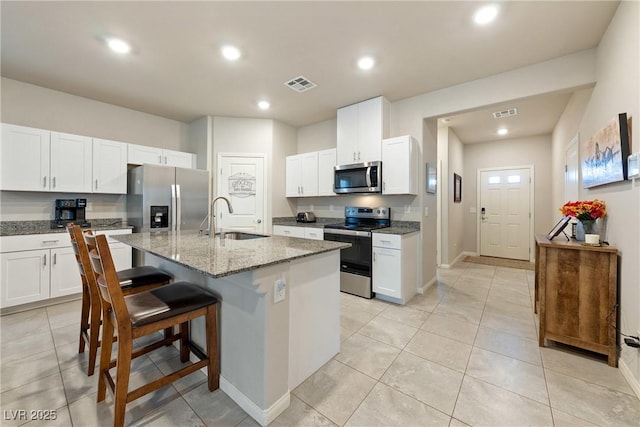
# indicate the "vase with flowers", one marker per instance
pixel 587 212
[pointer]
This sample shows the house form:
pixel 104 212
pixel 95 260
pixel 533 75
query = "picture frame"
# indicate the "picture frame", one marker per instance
pixel 559 228
pixel 604 154
pixel 457 188
pixel 431 178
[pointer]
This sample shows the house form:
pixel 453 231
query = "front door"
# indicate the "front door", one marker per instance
pixel 241 178
pixel 505 213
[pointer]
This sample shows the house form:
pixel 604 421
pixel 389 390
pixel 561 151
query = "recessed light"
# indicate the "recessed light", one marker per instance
pixel 485 14
pixel 366 63
pixel 502 131
pixel 264 105
pixel 231 53
pixel 118 45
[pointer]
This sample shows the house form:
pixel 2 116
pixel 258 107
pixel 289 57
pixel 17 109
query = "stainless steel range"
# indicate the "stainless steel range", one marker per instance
pixel 355 262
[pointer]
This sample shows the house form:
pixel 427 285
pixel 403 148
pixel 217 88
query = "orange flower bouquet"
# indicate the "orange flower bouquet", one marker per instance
pixel 585 210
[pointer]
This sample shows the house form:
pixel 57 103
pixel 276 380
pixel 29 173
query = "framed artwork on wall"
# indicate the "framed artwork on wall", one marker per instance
pixel 457 188
pixel 604 154
pixel 432 178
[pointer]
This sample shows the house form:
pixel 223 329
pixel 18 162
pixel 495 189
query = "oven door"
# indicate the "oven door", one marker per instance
pixel 355 262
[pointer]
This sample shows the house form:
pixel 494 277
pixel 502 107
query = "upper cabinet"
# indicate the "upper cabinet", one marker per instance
pixel 109 166
pixel 40 160
pixel 326 165
pixel 302 175
pixel 360 130
pixel 141 154
pixel 400 160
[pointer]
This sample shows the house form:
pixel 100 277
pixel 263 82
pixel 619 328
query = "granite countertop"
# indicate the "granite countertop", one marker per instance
pixel 397 227
pixel 23 228
pixel 208 256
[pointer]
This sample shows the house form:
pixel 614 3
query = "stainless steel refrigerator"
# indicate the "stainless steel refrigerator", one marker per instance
pixel 166 198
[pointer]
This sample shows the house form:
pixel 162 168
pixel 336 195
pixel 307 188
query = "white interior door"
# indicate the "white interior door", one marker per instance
pixel 505 214
pixel 241 178
pixel 572 161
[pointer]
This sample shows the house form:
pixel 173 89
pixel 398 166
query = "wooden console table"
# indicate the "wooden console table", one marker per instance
pixel 577 292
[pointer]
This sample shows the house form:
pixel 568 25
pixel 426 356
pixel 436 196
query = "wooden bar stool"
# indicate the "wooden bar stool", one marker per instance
pixel 132 280
pixel 144 313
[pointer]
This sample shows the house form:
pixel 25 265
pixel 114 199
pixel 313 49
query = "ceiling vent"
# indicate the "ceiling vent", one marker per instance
pixel 505 113
pixel 300 84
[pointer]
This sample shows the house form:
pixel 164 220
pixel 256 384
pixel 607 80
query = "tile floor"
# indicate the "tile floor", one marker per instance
pixel 464 353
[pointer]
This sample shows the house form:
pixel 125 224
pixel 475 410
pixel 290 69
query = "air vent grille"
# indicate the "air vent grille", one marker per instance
pixel 505 113
pixel 300 84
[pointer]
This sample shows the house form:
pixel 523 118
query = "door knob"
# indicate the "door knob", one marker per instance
pixel 259 221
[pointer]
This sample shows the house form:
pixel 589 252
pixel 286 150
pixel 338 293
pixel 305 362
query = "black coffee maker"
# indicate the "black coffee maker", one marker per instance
pixel 70 210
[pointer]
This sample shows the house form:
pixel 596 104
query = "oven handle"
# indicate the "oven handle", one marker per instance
pixel 347 232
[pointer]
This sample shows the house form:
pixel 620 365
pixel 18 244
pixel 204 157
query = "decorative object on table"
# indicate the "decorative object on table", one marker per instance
pixel 559 228
pixel 605 154
pixel 587 212
pixel 633 166
pixel 432 178
pixel 457 188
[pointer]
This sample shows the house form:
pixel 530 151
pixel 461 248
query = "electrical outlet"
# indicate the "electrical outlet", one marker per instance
pixel 426 211
pixel 407 208
pixel 279 290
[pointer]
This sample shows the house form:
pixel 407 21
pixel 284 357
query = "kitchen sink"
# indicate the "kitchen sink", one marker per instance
pixel 238 235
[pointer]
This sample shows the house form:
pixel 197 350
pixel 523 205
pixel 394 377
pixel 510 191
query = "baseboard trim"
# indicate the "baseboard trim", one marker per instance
pixel 458 258
pixel 261 416
pixel 427 285
pixel 634 382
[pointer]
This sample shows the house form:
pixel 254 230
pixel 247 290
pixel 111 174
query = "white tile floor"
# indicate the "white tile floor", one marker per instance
pixel 464 353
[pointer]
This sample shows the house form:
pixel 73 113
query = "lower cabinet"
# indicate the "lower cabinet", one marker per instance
pixel 37 267
pixel 394 270
pixel 314 233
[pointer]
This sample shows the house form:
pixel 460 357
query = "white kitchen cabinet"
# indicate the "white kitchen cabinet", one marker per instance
pixel 394 270
pixel 400 159
pixel 141 154
pixel 37 267
pixel 302 175
pixel 360 130
pixel 326 165
pixel 313 233
pixel 109 166
pixel 40 160
pixel 289 231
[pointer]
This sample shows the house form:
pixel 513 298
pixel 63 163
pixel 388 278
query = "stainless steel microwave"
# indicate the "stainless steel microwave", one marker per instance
pixel 358 178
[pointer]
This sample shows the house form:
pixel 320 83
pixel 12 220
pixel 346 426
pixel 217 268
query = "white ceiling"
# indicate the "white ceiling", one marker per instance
pixel 175 70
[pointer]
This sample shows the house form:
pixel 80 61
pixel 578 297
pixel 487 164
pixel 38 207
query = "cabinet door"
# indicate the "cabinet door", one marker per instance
pixel 370 130
pixel 289 231
pixel 314 233
pixel 293 172
pixel 121 255
pixel 109 166
pixel 65 276
pixel 71 163
pixel 309 174
pixel 178 158
pixel 399 160
pixel 141 154
pixel 25 277
pixel 24 158
pixel 326 163
pixel 387 268
pixel 347 136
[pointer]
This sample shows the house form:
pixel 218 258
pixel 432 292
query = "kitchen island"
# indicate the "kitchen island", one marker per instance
pixel 267 348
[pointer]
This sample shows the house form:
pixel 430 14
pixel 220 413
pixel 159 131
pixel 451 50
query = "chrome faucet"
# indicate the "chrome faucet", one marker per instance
pixel 212 217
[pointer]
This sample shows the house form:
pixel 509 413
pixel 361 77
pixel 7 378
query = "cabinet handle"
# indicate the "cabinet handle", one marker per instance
pixel 374 257
pixel 54 182
pixel 301 190
pixel 44 182
pixel 165 160
pixel 160 159
pixel 96 184
pixel 286 232
pixel 354 156
pixel 388 242
pixel 45 260
pixel 358 155
pixel 55 259
pixel 46 242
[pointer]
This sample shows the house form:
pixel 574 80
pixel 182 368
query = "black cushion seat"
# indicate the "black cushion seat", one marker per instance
pixel 167 301
pixel 141 276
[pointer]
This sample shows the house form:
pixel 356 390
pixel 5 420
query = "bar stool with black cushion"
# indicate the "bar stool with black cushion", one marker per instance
pixel 132 280
pixel 142 314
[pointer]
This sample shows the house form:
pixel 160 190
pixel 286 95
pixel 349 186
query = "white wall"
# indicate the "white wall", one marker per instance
pixel 316 137
pixel 455 241
pixel 29 105
pixel 618 71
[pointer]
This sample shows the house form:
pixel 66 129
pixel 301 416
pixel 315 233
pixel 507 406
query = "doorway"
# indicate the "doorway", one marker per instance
pixel 571 165
pixel 506 212
pixel 241 178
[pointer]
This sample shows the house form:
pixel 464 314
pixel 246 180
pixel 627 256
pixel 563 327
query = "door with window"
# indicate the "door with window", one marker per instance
pixel 505 213
pixel 241 178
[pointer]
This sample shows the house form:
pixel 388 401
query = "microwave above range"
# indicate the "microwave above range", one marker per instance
pixel 358 178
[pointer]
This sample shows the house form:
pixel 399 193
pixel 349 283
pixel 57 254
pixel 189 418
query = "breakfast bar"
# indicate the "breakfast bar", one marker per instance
pixel 280 311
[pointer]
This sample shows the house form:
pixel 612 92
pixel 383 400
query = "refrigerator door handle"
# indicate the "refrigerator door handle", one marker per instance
pixel 178 208
pixel 173 207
